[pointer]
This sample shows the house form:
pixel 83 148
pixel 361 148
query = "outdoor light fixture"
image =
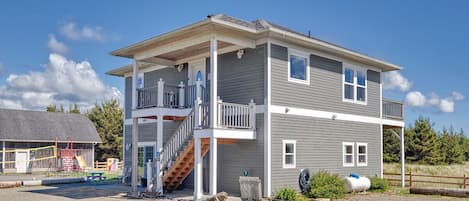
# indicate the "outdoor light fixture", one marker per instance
pixel 334 117
pixel 287 110
pixel 240 53
pixel 180 67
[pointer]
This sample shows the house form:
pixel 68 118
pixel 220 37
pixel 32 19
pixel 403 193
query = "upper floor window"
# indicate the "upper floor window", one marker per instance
pixel 354 84
pixel 298 67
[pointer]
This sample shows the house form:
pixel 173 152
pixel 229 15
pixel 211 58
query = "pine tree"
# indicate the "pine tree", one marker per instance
pixel 422 143
pixel 108 120
pixel 391 147
pixel 450 148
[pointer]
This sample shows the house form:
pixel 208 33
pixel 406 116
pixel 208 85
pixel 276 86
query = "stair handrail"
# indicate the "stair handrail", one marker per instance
pixel 180 136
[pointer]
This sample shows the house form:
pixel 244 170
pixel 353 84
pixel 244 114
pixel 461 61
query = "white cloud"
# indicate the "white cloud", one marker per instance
pixel 73 32
pixel 394 80
pixel 416 99
pixel 56 46
pixel 62 82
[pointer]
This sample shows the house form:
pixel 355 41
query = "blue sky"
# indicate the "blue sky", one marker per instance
pixel 428 39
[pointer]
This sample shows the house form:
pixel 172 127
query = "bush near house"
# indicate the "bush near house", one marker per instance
pixel 378 184
pixel 326 185
pixel 288 194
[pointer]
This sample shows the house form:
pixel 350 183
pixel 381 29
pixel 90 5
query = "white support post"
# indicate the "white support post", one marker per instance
pixel 3 156
pixel 213 82
pixel 134 156
pixel 252 114
pixel 159 149
pixel 213 165
pixel 402 158
pixel 219 111
pixel 197 115
pixel 134 84
pixel 198 89
pixel 149 175
pixel 197 169
pixel 159 98
pixel 181 95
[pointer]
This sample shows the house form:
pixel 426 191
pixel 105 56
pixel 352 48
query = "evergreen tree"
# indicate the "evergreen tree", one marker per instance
pixel 108 120
pixel 451 149
pixel 391 147
pixel 74 110
pixel 422 143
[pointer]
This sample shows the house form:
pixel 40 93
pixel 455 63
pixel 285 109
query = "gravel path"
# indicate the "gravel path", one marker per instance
pixel 392 196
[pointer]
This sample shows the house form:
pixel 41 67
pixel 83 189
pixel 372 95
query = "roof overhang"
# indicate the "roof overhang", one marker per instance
pixel 178 46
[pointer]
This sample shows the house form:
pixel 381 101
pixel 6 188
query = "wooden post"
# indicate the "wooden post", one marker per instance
pixel 410 179
pixel 181 95
pixel 213 82
pixel 252 114
pixel 159 98
pixel 464 185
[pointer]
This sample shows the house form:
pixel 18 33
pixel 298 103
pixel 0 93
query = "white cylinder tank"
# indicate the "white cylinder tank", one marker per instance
pixel 359 184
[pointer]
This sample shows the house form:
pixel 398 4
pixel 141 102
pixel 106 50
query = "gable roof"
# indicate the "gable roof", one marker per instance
pixel 255 28
pixel 35 126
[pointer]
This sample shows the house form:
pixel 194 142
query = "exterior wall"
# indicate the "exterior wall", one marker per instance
pixel 146 133
pixel 248 155
pixel 128 98
pixel 240 80
pixel 325 91
pixel 319 147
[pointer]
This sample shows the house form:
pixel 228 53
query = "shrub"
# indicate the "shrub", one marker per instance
pixel 325 185
pixel 288 194
pixel 378 184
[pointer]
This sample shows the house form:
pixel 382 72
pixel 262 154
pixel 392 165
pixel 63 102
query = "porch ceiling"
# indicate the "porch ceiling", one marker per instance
pixel 187 52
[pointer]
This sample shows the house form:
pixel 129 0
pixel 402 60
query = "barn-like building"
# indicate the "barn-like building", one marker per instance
pixel 34 141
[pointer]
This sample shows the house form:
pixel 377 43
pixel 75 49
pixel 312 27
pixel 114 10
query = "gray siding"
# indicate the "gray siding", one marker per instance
pixel 240 80
pixel 128 98
pixel 325 89
pixel 233 159
pixel 147 133
pixel 319 146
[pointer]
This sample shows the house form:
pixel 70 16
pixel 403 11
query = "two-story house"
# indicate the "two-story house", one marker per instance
pixel 224 97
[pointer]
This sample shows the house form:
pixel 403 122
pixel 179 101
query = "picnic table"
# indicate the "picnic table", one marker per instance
pixel 95 176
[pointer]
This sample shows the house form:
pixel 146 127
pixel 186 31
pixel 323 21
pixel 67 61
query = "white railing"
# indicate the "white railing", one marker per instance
pixel 393 109
pixel 180 136
pixel 229 115
pixel 170 96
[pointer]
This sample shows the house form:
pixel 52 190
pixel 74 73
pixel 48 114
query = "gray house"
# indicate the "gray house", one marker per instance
pixel 222 97
pixel 33 141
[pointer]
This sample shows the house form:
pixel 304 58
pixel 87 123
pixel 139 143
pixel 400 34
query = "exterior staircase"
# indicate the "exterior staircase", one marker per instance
pixel 177 157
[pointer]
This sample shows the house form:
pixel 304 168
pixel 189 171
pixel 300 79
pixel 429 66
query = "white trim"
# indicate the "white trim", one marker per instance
pixel 299 54
pixel 160 111
pixel 381 127
pixel 241 134
pixel 267 126
pixel 344 164
pixel 355 85
pixel 147 69
pixel 394 123
pixel 128 122
pixel 287 166
pixel 358 154
pixel 147 144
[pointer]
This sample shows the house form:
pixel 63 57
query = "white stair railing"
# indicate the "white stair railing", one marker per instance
pixel 180 136
pixel 233 115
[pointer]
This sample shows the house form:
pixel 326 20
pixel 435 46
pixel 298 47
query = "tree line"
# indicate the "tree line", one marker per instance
pixel 425 145
pixel 108 118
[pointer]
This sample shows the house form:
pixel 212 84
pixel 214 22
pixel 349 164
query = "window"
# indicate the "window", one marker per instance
pixel 289 153
pixel 298 67
pixel 348 154
pixel 362 154
pixel 354 84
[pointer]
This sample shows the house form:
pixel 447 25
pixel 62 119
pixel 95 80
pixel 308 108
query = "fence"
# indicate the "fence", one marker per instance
pixel 413 179
pixel 102 165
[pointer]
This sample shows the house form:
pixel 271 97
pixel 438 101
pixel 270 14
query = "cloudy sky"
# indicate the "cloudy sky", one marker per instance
pixel 55 52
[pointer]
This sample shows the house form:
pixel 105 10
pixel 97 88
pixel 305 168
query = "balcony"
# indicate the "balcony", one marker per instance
pixel 229 115
pixel 170 96
pixel 393 110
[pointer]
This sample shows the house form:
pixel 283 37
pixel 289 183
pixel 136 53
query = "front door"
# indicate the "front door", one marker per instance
pixel 197 71
pixel 21 161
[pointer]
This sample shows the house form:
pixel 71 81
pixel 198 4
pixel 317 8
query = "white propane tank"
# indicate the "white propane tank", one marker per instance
pixel 353 184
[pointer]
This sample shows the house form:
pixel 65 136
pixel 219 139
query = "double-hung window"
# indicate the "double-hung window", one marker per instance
pixel 354 84
pixel 298 67
pixel 362 154
pixel 348 153
pixel 289 153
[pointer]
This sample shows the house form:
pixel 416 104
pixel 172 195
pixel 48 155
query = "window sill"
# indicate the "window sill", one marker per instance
pixel 354 101
pixel 362 164
pixel 348 165
pixel 305 82
pixel 289 167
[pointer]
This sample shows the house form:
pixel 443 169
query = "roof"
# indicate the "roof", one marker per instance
pixel 256 27
pixel 35 126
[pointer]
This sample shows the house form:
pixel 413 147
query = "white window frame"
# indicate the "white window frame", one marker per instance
pixel 148 144
pixel 355 85
pixel 284 142
pixel 366 154
pixel 300 54
pixel 344 154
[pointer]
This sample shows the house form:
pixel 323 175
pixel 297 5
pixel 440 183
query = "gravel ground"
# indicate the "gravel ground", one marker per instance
pixel 393 196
